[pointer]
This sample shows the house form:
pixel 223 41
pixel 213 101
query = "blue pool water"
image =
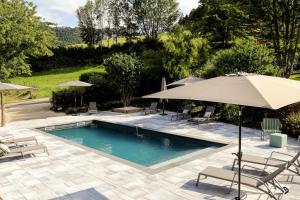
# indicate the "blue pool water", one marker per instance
pixel 140 146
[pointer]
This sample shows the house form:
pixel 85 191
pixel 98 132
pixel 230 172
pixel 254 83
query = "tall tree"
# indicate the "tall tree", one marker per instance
pixel 278 22
pixel 114 11
pixel 154 16
pixel 88 23
pixel 127 14
pixel 22 35
pixel 91 18
pixel 219 20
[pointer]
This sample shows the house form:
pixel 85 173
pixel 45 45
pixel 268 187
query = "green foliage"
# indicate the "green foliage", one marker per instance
pixel 277 23
pixel 91 24
pixel 219 20
pixel 184 53
pixel 155 16
pixel 123 72
pixel 291 124
pixel 67 35
pixel 22 35
pixel 244 56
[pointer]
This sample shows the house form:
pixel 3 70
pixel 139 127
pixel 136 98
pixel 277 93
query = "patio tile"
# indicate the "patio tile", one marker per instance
pixel 71 172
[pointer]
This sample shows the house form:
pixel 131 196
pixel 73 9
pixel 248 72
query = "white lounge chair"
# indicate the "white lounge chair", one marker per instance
pixel 6 151
pixel 260 183
pixel 206 117
pixel 11 140
pixel 273 161
pixel 92 108
pixel 152 109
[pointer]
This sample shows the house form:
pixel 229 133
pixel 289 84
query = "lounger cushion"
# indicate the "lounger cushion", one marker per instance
pixel 261 160
pixel 4 148
pixel 228 175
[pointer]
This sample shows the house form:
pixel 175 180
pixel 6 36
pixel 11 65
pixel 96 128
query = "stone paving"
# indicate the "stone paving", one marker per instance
pixel 72 172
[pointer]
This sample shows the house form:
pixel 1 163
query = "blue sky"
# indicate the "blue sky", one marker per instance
pixel 62 12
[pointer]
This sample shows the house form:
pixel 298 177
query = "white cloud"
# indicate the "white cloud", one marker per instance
pixel 63 12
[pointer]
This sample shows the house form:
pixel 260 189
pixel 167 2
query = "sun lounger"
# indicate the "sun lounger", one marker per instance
pixel 206 117
pixel 22 150
pixel 15 141
pixel 152 109
pixel 260 183
pixel 273 162
pixel 92 108
pixel 269 126
pixel 186 113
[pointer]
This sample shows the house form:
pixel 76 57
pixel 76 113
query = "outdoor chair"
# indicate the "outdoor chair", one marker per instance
pixel 274 162
pixel 6 151
pixel 270 126
pixel 92 108
pixel 184 114
pixel 11 140
pixel 206 117
pixel 264 183
pixel 152 109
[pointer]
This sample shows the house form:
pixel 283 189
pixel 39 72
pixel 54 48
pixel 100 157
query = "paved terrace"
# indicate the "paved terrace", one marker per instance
pixel 72 172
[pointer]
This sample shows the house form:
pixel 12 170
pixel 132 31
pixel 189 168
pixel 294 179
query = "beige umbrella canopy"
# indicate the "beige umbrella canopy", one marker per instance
pixel 9 87
pixel 185 81
pixel 78 84
pixel 248 90
pixel 239 89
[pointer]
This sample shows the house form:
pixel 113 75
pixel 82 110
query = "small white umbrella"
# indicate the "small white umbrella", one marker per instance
pixel 9 87
pixel 239 89
pixel 76 84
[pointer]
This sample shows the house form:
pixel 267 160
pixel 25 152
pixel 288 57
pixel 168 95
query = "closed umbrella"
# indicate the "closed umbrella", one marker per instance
pixel 163 88
pixel 76 84
pixel 9 87
pixel 239 89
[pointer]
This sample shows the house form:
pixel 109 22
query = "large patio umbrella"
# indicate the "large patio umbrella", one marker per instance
pixel 9 87
pixel 239 89
pixel 76 84
pixel 185 81
pixel 163 88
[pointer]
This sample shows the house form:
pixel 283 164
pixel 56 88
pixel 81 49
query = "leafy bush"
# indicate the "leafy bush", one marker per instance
pixel 291 124
pixel 184 53
pixel 244 56
pixel 101 91
pixel 123 73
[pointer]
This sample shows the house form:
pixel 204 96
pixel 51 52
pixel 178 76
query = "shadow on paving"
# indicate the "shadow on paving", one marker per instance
pixel 88 194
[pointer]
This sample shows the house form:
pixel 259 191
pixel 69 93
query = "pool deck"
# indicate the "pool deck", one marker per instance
pixel 72 172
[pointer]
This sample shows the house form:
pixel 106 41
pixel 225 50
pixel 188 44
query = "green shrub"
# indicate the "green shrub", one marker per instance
pixel 124 73
pixel 291 124
pixel 184 53
pixel 244 56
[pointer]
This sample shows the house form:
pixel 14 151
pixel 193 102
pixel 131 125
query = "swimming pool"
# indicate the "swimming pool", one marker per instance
pixel 141 146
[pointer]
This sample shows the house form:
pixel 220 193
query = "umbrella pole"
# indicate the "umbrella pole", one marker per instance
pixel 2 110
pixel 239 154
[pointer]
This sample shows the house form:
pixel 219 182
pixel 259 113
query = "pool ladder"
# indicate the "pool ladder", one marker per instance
pixel 137 132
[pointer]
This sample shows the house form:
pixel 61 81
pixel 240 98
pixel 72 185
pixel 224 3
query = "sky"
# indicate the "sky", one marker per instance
pixel 63 12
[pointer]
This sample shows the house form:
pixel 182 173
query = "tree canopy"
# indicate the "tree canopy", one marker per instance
pixel 22 35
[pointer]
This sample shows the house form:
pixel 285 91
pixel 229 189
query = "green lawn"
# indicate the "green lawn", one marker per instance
pixel 46 82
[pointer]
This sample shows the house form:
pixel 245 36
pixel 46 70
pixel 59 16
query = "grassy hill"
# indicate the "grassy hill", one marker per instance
pixel 46 82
